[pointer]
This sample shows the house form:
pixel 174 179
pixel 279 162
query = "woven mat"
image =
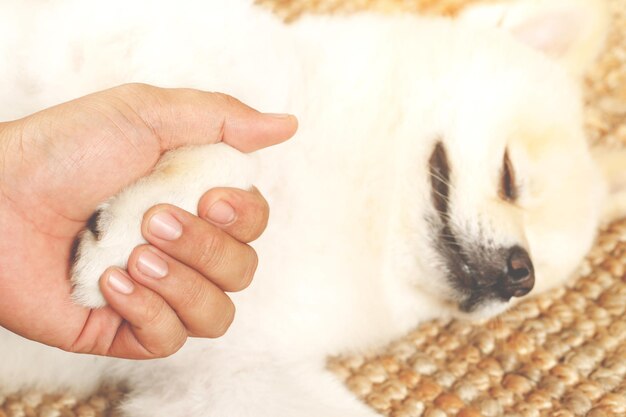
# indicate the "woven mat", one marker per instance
pixel 561 354
pixel 292 9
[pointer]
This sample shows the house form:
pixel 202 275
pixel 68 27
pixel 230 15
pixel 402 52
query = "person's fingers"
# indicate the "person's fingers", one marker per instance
pixel 151 329
pixel 203 308
pixel 241 214
pixel 228 263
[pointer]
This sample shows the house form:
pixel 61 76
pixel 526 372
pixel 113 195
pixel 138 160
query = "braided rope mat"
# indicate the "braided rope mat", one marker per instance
pixel 561 354
pixel 292 9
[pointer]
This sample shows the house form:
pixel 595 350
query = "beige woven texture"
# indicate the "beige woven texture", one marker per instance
pixel 561 354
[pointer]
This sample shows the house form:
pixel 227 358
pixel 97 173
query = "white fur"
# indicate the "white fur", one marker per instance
pixel 551 26
pixel 347 261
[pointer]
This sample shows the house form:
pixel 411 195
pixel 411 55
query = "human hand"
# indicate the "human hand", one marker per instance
pixel 57 165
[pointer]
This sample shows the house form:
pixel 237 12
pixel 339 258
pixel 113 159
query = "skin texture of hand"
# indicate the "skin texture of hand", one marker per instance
pixel 57 165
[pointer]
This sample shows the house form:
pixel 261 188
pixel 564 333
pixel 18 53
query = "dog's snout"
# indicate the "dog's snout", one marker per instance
pixel 488 273
pixel 520 274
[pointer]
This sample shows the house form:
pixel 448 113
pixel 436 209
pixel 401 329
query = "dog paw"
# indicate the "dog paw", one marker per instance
pixel 114 230
pixel 107 241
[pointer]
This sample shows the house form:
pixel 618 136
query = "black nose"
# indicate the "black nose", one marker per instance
pixel 520 274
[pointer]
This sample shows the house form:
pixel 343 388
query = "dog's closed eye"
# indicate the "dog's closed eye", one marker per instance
pixel 508 189
pixel 440 178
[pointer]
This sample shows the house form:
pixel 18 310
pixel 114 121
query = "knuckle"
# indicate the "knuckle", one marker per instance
pixel 200 301
pixel 243 277
pixel 261 201
pixel 264 209
pixel 223 324
pixel 151 312
pixel 80 346
pixel 193 295
pixel 250 268
pixel 177 343
pixel 225 99
pixel 261 217
pixel 134 89
pixel 172 346
pixel 248 230
pixel 157 352
pixel 211 254
pixel 190 95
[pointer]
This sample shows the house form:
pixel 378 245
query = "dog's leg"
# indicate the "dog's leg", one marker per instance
pixel 180 178
pixel 611 162
pixel 33 366
pixel 257 386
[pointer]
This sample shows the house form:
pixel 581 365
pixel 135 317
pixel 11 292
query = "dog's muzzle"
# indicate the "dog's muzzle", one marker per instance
pixel 482 275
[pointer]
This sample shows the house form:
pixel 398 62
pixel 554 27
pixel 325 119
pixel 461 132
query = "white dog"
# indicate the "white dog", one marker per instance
pixel 440 170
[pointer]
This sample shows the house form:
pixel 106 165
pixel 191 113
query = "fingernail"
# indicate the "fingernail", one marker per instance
pixel 165 226
pixel 119 283
pixel 221 212
pixel 278 115
pixel 151 264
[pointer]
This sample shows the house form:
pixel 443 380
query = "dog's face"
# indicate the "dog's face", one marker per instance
pixel 509 196
pixel 512 206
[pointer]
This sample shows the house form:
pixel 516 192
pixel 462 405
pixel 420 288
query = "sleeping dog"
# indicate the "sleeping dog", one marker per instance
pixel 440 170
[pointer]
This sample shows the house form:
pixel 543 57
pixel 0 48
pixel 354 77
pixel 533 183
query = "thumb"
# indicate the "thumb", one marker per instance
pixel 192 117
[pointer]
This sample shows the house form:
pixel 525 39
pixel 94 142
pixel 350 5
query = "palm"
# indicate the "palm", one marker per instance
pixel 48 194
